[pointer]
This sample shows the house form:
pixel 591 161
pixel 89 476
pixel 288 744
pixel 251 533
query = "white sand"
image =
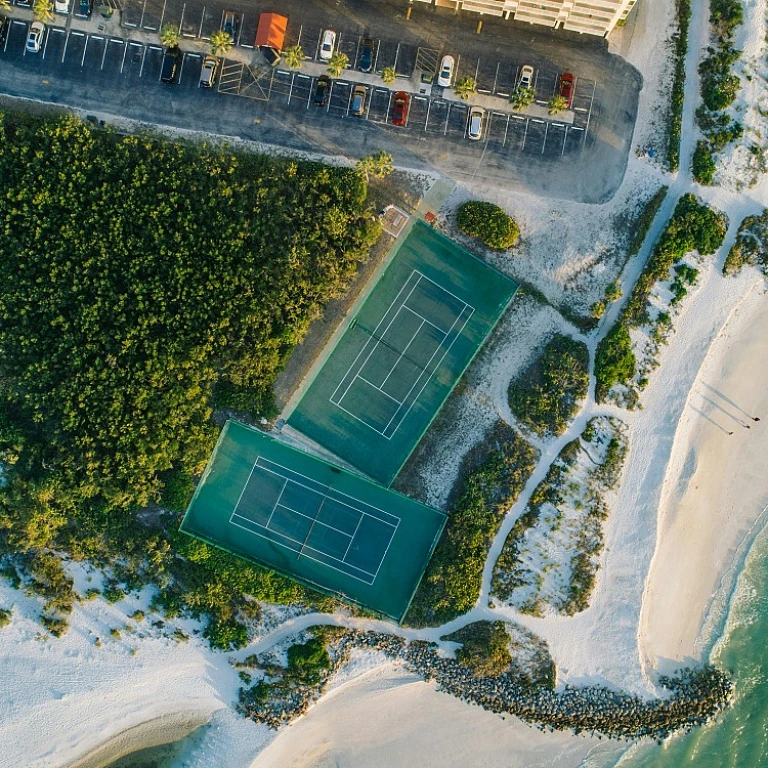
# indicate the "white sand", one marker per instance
pixel 389 717
pixel 716 489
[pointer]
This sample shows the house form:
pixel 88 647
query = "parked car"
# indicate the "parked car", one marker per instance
pixel 359 94
pixel 567 87
pixel 85 9
pixel 61 6
pixel 5 23
pixel 328 45
pixel 230 24
pixel 400 109
pixel 445 78
pixel 366 55
pixel 322 86
pixel 35 37
pixel 24 3
pixel 169 72
pixel 475 123
pixel 526 77
pixel 208 72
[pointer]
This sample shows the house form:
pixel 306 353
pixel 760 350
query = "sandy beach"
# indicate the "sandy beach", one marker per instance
pixel 715 488
pixel 390 717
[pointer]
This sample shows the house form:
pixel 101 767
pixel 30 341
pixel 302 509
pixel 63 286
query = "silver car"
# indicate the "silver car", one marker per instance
pixel 35 37
pixel 475 123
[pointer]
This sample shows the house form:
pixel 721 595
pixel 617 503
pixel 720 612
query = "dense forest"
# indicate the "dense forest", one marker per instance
pixel 145 283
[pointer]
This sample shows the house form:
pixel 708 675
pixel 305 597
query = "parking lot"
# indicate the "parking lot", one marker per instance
pixel 96 70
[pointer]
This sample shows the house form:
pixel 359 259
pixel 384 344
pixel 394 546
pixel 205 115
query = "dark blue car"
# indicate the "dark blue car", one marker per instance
pixel 366 55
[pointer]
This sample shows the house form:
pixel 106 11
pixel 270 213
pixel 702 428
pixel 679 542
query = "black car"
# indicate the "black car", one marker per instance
pixel 4 24
pixel 171 64
pixel 366 55
pixel 85 9
pixel 322 87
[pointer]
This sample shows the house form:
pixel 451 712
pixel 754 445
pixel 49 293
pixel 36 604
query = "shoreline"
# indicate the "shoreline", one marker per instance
pixel 713 497
pixel 164 729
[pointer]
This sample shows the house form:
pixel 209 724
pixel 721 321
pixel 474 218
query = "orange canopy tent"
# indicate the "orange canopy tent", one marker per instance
pixel 271 30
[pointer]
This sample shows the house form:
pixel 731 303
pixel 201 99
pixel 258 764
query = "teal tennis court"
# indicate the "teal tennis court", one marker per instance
pixel 404 351
pixel 328 528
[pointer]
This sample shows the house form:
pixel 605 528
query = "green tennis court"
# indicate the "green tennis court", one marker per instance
pixel 391 371
pixel 313 522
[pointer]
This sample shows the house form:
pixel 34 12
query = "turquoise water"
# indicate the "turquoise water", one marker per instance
pixel 165 756
pixel 739 738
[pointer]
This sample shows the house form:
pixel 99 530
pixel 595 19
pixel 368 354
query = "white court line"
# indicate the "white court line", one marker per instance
pixel 316 521
pixel 245 485
pixel 402 355
pixel 309 557
pixel 370 338
pixel 352 538
pixel 431 373
pixel 424 320
pixel 384 556
pixel 379 389
pixel 425 368
pixel 320 493
pixel 277 504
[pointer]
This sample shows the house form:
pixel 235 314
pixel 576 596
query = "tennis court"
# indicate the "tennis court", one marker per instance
pixel 403 353
pixel 296 514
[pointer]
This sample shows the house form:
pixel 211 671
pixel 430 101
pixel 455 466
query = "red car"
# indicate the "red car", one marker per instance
pixel 567 82
pixel 400 111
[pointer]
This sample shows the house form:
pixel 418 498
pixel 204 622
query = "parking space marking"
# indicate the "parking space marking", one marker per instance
pixel 162 18
pixel 565 138
pixel 429 106
pixel 181 68
pixel 85 50
pixel 589 114
pixel 131 42
pixel 544 143
pixel 143 9
pixel 525 135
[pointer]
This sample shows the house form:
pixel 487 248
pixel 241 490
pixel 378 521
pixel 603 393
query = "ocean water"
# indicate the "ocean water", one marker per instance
pixel 739 737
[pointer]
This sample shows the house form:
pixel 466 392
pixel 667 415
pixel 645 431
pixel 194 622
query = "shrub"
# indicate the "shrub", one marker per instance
pixel 545 396
pixel 643 222
pixel 615 361
pixel 703 164
pixel 5 617
pixel 484 649
pixel 307 662
pixel 680 43
pixel 491 477
pixel 488 223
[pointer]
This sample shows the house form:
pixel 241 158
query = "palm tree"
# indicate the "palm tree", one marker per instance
pixel 388 75
pixel 220 43
pixel 522 97
pixel 169 36
pixel 293 57
pixel 5 5
pixel 556 105
pixel 337 62
pixel 465 87
pixel 43 11
pixel 377 165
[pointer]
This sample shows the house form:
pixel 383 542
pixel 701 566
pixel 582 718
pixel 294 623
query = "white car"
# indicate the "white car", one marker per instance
pixel 61 6
pixel 446 71
pixel 475 123
pixel 526 77
pixel 328 45
pixel 35 37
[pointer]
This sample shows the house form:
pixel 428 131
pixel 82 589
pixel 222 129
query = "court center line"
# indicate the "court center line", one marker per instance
pixel 309 557
pixel 375 330
pixel 326 492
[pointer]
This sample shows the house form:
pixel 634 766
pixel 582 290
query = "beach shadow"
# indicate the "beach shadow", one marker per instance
pixel 728 400
pixel 720 408
pixel 709 419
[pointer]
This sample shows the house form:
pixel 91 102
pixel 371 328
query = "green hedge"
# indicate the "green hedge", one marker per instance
pixel 545 396
pixel 680 43
pixel 489 223
pixel 492 476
